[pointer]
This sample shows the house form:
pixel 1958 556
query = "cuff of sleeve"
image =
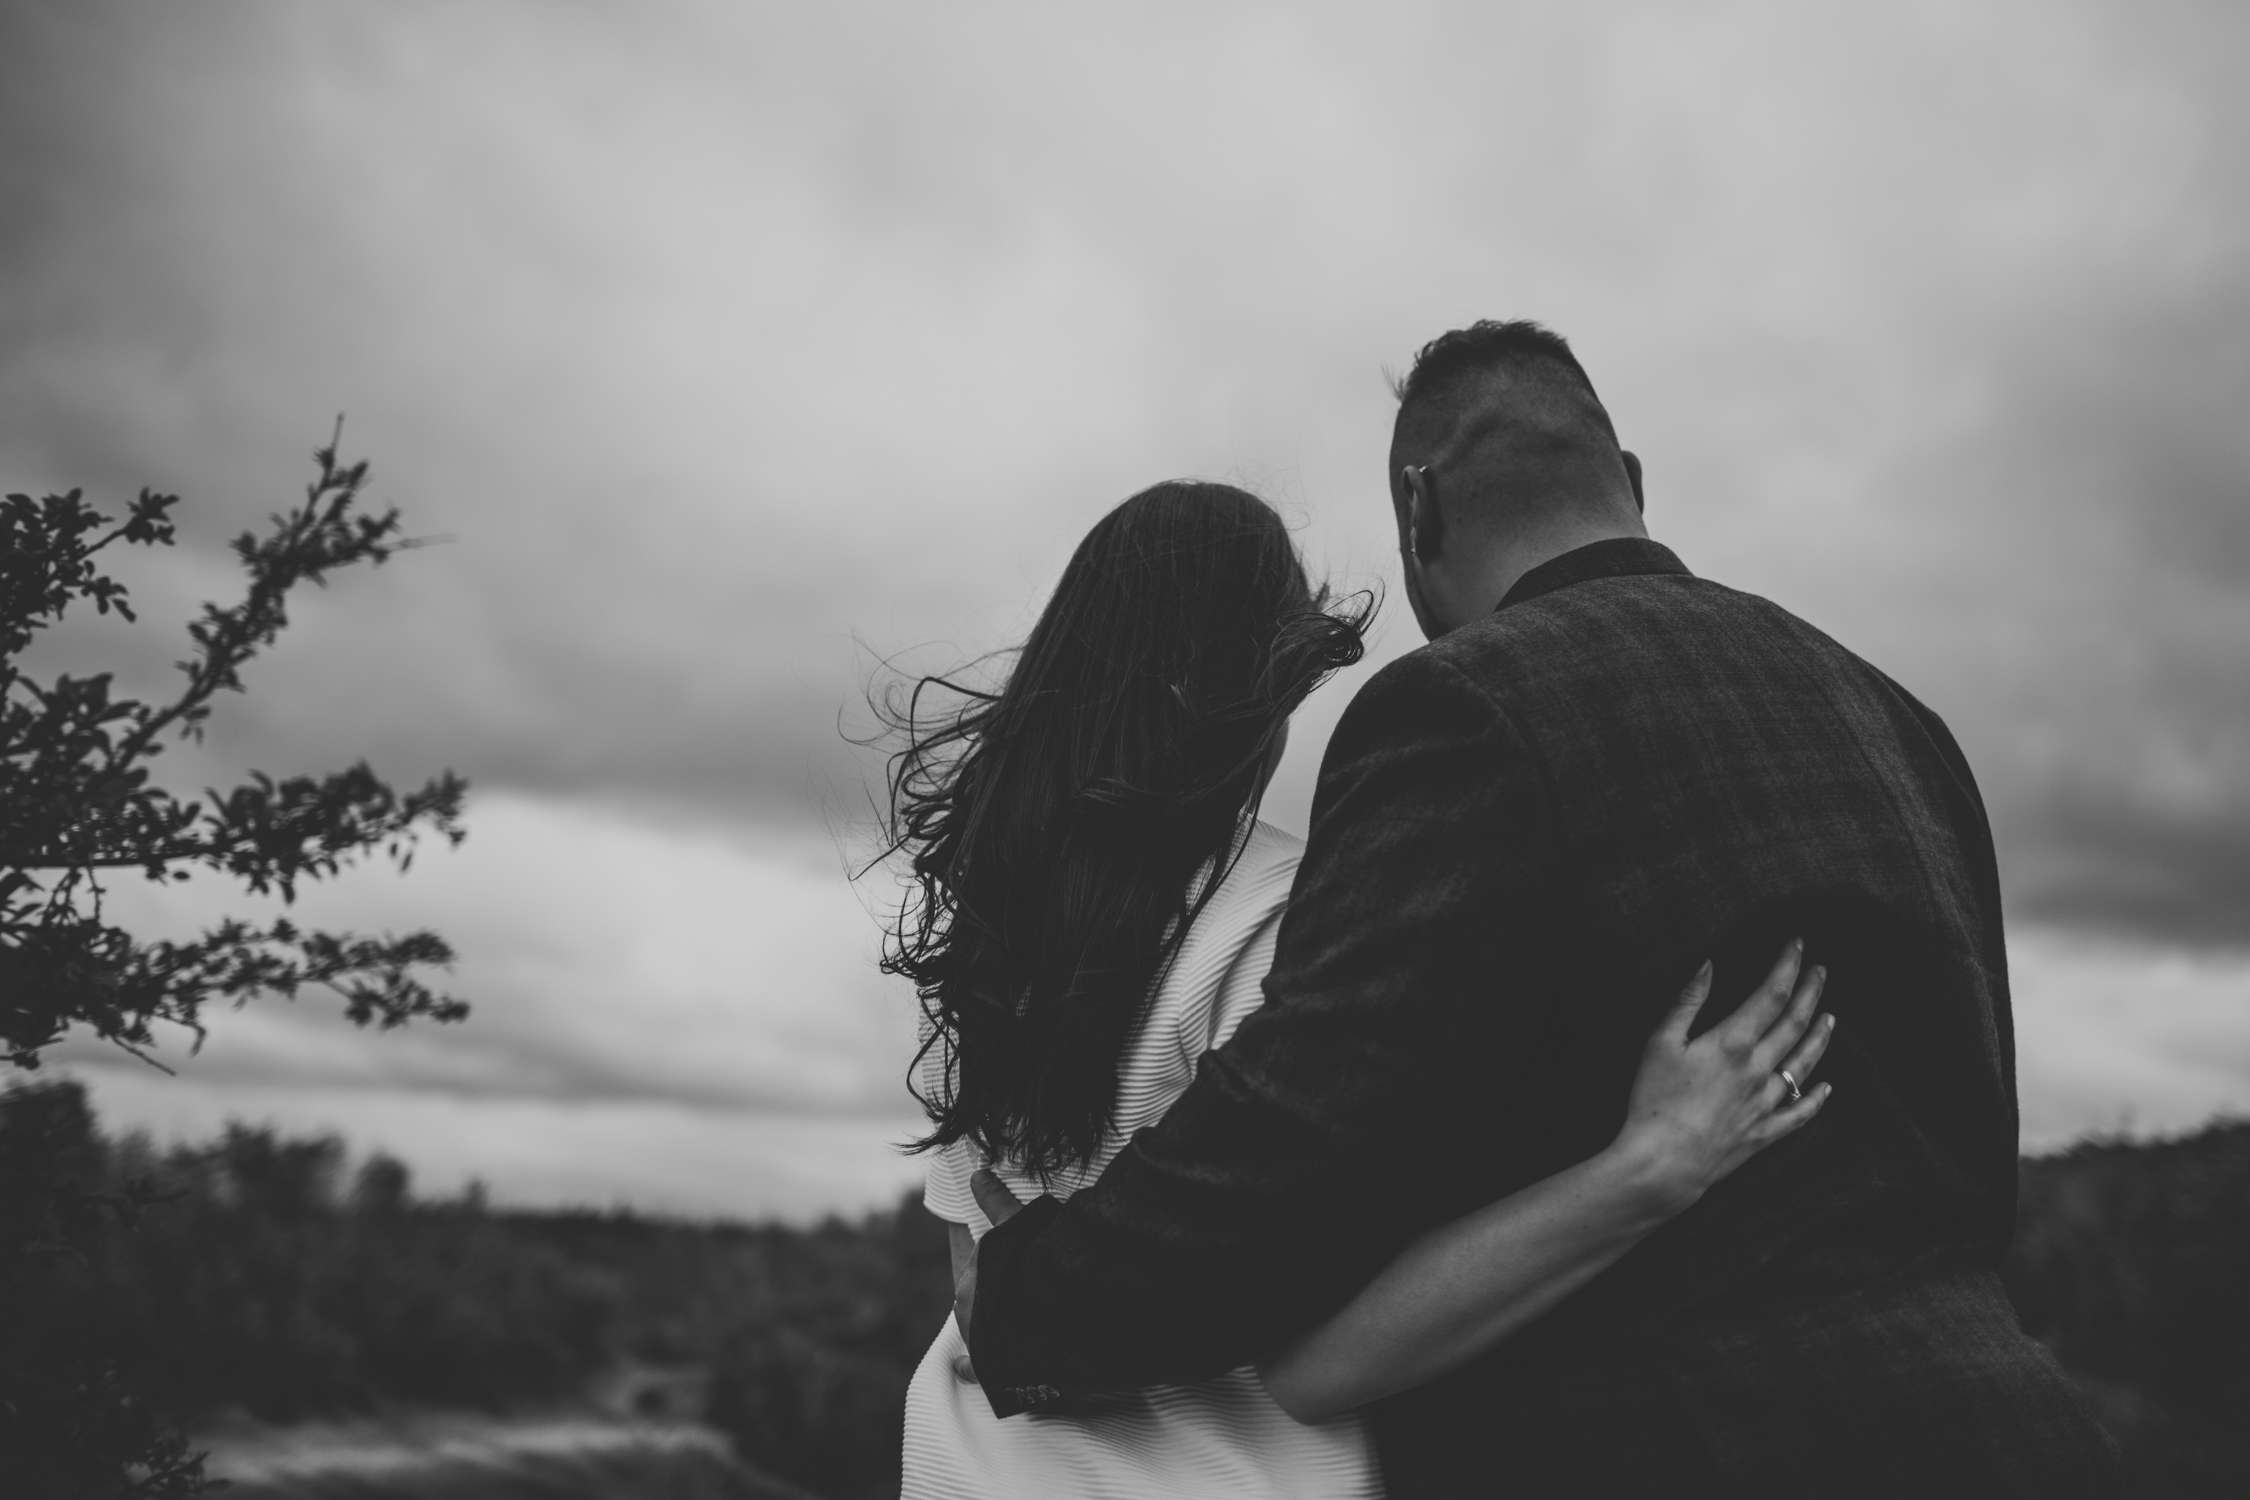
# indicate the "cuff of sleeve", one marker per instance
pixel 1006 1353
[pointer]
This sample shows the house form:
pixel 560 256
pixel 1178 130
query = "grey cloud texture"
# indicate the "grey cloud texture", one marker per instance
pixel 721 338
pixel 608 962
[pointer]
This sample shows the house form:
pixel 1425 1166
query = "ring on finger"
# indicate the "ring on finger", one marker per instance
pixel 1795 1093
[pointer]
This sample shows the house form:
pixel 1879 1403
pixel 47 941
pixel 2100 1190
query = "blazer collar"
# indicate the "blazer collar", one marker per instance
pixel 1616 557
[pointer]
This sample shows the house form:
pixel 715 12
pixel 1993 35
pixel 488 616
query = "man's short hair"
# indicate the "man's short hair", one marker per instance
pixel 1455 369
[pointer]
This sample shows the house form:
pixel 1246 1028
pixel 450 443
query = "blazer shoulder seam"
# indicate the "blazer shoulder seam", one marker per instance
pixel 1540 770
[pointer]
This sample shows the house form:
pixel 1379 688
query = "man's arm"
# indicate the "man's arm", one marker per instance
pixel 1311 1147
pixel 1975 830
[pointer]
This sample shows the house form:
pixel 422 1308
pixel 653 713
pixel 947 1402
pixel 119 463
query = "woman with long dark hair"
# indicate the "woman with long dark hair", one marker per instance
pixel 1094 906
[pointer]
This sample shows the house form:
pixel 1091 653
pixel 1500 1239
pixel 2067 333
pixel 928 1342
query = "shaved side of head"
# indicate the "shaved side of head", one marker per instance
pixel 1506 419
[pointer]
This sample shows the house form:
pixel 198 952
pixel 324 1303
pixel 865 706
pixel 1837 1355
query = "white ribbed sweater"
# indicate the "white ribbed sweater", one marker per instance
pixel 1222 1437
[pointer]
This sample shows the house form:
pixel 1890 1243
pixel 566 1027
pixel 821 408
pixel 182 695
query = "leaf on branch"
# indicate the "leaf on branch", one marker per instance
pixel 76 797
pixel 87 973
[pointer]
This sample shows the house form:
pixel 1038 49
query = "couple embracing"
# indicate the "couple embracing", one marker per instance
pixel 1472 1146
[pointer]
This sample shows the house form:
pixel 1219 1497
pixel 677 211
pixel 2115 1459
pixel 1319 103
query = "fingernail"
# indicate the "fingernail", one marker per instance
pixel 1705 971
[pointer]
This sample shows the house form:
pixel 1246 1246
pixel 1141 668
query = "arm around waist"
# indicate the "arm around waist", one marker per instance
pixel 1270 1193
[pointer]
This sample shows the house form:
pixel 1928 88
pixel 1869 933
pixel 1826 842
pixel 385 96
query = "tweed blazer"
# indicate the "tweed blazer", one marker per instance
pixel 1526 836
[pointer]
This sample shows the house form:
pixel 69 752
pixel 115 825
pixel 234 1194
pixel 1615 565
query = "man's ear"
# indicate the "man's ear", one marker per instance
pixel 1633 473
pixel 1425 524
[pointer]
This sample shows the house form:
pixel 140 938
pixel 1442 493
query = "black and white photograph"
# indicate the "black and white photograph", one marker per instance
pixel 758 750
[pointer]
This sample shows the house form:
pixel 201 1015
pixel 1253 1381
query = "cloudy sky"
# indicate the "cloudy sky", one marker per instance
pixel 735 348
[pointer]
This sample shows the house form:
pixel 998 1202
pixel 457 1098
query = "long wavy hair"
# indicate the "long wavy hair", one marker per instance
pixel 1064 828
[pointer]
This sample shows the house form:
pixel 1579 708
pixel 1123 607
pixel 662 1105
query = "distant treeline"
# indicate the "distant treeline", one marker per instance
pixel 273 1276
pixel 2132 1261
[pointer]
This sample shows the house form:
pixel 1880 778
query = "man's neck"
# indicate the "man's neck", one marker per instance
pixel 1509 561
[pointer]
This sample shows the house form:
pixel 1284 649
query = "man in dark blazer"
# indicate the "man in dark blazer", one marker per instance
pixel 1526 835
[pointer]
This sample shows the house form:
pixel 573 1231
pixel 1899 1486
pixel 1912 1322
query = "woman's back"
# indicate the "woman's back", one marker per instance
pixel 1220 1437
pixel 1074 960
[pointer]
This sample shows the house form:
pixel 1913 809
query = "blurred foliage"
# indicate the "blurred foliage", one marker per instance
pixel 2132 1261
pixel 811 1379
pixel 623 1472
pixel 269 1277
pixel 79 807
pixel 70 1422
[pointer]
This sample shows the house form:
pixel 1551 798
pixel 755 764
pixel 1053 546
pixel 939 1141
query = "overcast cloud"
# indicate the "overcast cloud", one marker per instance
pixel 731 343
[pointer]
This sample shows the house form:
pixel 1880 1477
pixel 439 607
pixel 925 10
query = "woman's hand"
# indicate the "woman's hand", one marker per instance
pixel 1699 1110
pixel 1702 1108
pixel 999 1207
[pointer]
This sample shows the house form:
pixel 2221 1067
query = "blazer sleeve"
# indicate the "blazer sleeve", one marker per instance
pixel 1299 1162
pixel 1984 860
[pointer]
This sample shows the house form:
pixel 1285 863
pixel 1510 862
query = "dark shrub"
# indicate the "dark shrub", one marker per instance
pixel 2132 1262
